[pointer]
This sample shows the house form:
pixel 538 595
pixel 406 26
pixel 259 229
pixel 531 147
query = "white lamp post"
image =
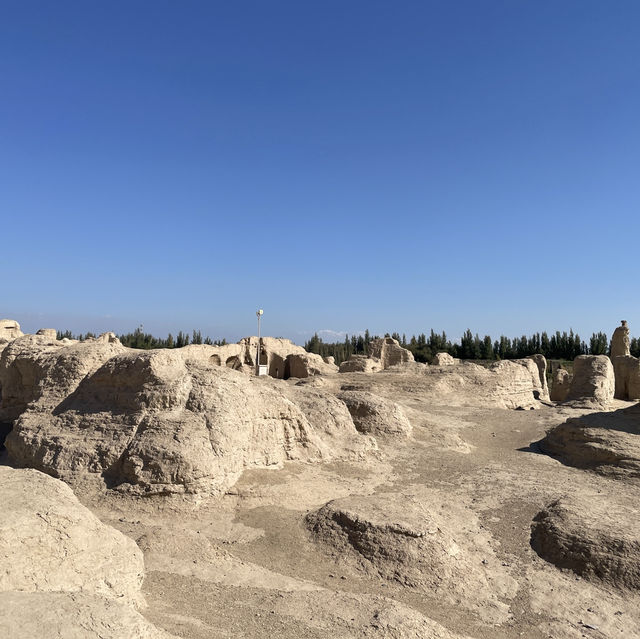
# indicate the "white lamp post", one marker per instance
pixel 259 314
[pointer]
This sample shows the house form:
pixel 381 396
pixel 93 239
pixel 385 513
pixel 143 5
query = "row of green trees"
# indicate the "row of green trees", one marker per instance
pixel 341 351
pixel 565 345
pixel 140 339
pixel 559 345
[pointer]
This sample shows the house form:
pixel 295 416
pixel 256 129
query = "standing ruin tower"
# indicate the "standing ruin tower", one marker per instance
pixel 620 345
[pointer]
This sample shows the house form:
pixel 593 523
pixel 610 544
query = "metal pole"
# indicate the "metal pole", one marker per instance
pixel 259 313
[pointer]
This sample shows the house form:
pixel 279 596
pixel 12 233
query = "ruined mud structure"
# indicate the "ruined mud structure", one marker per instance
pixel 175 493
pixel 283 358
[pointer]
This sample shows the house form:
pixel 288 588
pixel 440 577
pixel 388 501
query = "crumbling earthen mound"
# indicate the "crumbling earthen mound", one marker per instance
pixel 595 536
pixel 304 365
pixel 65 574
pixel 541 363
pixel 443 359
pixel 560 385
pixel 9 330
pixel 36 368
pixel 593 381
pixel 627 375
pixel 374 415
pixel 360 364
pixel 606 442
pixel 283 358
pixel 505 384
pixel 389 352
pixel 519 377
pixel 428 543
pixel 157 422
pixel 620 341
pixel 48 541
pixel 49 333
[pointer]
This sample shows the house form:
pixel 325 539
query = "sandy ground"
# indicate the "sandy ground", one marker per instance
pixel 245 565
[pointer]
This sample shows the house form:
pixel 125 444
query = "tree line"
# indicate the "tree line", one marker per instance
pixel 146 341
pixel 559 345
pixel 563 346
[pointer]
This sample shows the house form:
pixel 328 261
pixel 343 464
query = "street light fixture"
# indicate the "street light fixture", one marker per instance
pixel 259 314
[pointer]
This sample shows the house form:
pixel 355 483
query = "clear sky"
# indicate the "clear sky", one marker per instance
pixel 391 165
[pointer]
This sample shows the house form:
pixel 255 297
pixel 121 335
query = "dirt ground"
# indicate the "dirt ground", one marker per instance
pixel 245 565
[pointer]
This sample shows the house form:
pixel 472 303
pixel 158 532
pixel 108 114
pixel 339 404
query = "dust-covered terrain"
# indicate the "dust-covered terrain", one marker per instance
pixel 415 501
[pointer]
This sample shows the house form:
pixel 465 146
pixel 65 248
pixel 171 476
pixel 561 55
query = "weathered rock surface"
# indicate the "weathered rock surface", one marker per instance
pixel 335 613
pixel 330 419
pixel 420 542
pixel 560 385
pixel 443 359
pixel 608 443
pixel 9 330
pixel 541 363
pixel 159 422
pixel 273 352
pixel 627 377
pixel 620 342
pixel 505 384
pixel 515 382
pixel 389 352
pixel 360 364
pixel 374 415
pixel 360 616
pixel 33 368
pixel 65 615
pixel 64 573
pixel 307 365
pixel 596 536
pixel 283 358
pixel 108 338
pixel 49 333
pixel 50 542
pixel 593 380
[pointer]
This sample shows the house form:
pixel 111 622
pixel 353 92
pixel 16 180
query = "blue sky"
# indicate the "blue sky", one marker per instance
pixel 344 165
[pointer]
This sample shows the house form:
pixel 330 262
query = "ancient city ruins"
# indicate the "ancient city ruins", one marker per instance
pixel 176 493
